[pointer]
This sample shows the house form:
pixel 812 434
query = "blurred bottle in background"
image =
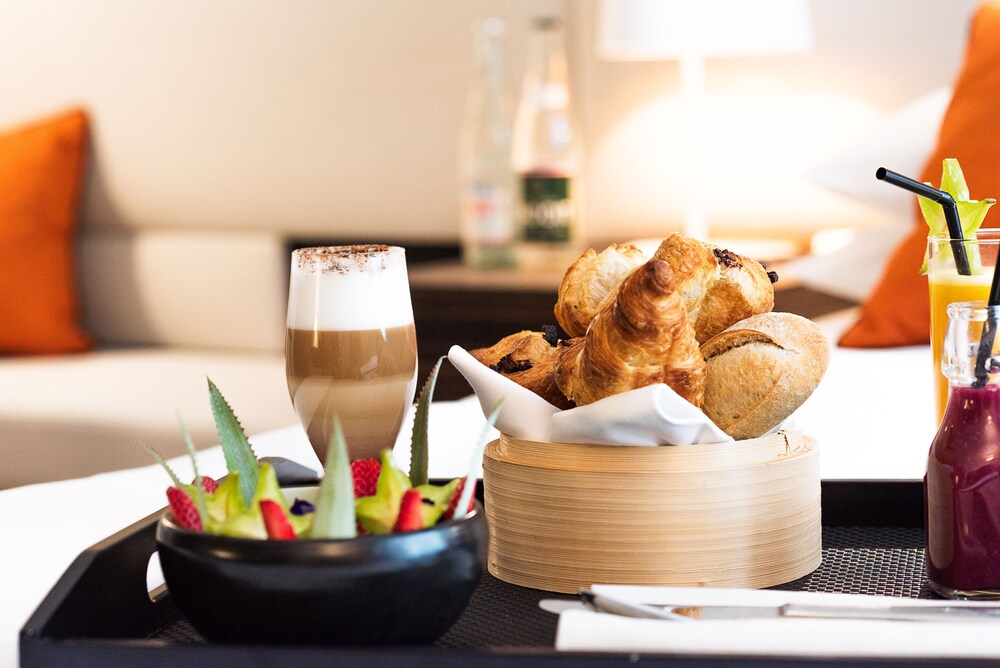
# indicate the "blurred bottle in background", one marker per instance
pixel 546 155
pixel 487 182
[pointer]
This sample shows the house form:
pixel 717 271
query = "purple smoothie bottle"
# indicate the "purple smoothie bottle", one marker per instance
pixel 962 485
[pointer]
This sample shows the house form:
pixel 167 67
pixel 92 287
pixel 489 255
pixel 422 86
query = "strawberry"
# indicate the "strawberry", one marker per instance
pixel 365 473
pixel 182 508
pixel 275 521
pixel 449 513
pixel 410 518
pixel 208 484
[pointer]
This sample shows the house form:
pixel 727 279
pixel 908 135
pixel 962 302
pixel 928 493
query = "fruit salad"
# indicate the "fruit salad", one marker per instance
pixel 367 496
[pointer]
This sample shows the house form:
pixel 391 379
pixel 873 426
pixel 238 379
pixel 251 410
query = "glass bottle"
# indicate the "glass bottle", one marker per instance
pixel 487 182
pixel 962 485
pixel 546 155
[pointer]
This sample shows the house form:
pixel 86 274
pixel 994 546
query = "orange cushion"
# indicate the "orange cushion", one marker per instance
pixel 41 170
pixel 897 312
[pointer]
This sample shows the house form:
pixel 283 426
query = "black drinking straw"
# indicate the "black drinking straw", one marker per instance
pixel 947 203
pixel 989 332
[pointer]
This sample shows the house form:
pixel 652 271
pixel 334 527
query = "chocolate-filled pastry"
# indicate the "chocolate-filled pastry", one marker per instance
pixel 530 360
pixel 589 281
pixel 639 337
pixel 515 352
pixel 718 287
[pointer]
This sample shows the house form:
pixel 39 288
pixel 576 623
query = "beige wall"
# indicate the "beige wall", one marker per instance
pixel 339 117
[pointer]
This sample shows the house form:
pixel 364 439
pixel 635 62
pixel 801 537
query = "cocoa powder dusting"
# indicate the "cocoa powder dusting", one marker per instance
pixel 344 259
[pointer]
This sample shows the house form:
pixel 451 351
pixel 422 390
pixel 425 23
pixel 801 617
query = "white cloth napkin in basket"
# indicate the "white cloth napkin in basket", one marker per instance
pixel 653 415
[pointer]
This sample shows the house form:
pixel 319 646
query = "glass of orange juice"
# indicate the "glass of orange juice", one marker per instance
pixel 946 286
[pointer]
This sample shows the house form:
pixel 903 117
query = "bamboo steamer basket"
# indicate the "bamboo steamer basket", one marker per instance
pixel 564 516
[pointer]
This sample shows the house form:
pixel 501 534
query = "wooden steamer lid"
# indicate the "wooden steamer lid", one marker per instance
pixel 564 516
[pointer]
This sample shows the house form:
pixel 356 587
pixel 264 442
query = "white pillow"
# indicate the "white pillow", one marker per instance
pixel 900 143
pixel 852 271
pixel 185 288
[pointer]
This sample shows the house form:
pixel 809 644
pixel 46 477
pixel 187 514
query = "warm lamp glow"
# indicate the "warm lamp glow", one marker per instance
pixel 760 150
pixel 690 31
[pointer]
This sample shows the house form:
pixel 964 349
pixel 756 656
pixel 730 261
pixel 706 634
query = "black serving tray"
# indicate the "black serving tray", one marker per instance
pixel 100 613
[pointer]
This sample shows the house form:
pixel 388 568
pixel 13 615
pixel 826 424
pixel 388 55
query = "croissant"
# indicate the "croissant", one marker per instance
pixel 589 280
pixel 719 287
pixel 640 337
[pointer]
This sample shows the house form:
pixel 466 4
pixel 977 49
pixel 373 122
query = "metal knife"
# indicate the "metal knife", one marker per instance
pixel 903 613
pixel 938 613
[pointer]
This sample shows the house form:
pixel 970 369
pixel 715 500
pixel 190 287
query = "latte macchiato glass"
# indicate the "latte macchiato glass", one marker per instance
pixel 350 347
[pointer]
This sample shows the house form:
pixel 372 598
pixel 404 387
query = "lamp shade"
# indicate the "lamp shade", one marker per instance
pixel 669 29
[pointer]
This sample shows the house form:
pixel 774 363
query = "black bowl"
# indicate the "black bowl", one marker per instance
pixel 404 588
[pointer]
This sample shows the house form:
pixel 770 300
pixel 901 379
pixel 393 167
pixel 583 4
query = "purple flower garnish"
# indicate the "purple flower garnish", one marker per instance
pixel 302 507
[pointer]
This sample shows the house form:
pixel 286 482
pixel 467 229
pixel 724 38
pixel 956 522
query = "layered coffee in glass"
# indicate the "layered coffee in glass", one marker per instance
pixel 350 347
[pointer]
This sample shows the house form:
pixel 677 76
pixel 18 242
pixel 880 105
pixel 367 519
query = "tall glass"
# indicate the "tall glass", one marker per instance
pixel 945 286
pixel 350 348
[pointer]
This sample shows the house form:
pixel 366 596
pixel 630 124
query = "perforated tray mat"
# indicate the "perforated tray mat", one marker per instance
pixel 856 560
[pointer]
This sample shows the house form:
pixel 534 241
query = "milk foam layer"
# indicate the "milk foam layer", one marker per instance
pixel 338 292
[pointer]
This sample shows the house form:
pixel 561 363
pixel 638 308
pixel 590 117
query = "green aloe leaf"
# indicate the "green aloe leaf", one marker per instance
pixel 971 213
pixel 199 491
pixel 240 457
pixel 419 443
pixel 461 510
pixel 158 458
pixel 334 516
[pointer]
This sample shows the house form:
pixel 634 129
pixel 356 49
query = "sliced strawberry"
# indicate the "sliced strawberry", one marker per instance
pixel 185 513
pixel 453 502
pixel 410 518
pixel 207 484
pixel 365 472
pixel 275 522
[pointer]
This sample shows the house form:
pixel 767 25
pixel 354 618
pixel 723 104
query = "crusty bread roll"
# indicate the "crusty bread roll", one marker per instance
pixel 718 286
pixel 590 280
pixel 760 370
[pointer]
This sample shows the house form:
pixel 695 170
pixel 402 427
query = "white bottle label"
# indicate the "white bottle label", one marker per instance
pixel 487 213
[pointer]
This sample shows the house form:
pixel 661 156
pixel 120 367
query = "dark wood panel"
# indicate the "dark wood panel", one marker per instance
pixel 415 253
pixel 807 302
pixel 471 319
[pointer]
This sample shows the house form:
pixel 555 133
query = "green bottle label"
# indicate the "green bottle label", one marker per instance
pixel 547 210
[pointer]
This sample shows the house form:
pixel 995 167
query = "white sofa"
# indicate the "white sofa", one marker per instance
pixel 167 310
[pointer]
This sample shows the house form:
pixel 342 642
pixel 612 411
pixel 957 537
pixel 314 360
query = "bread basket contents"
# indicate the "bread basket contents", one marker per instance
pixel 680 348
pixel 694 317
